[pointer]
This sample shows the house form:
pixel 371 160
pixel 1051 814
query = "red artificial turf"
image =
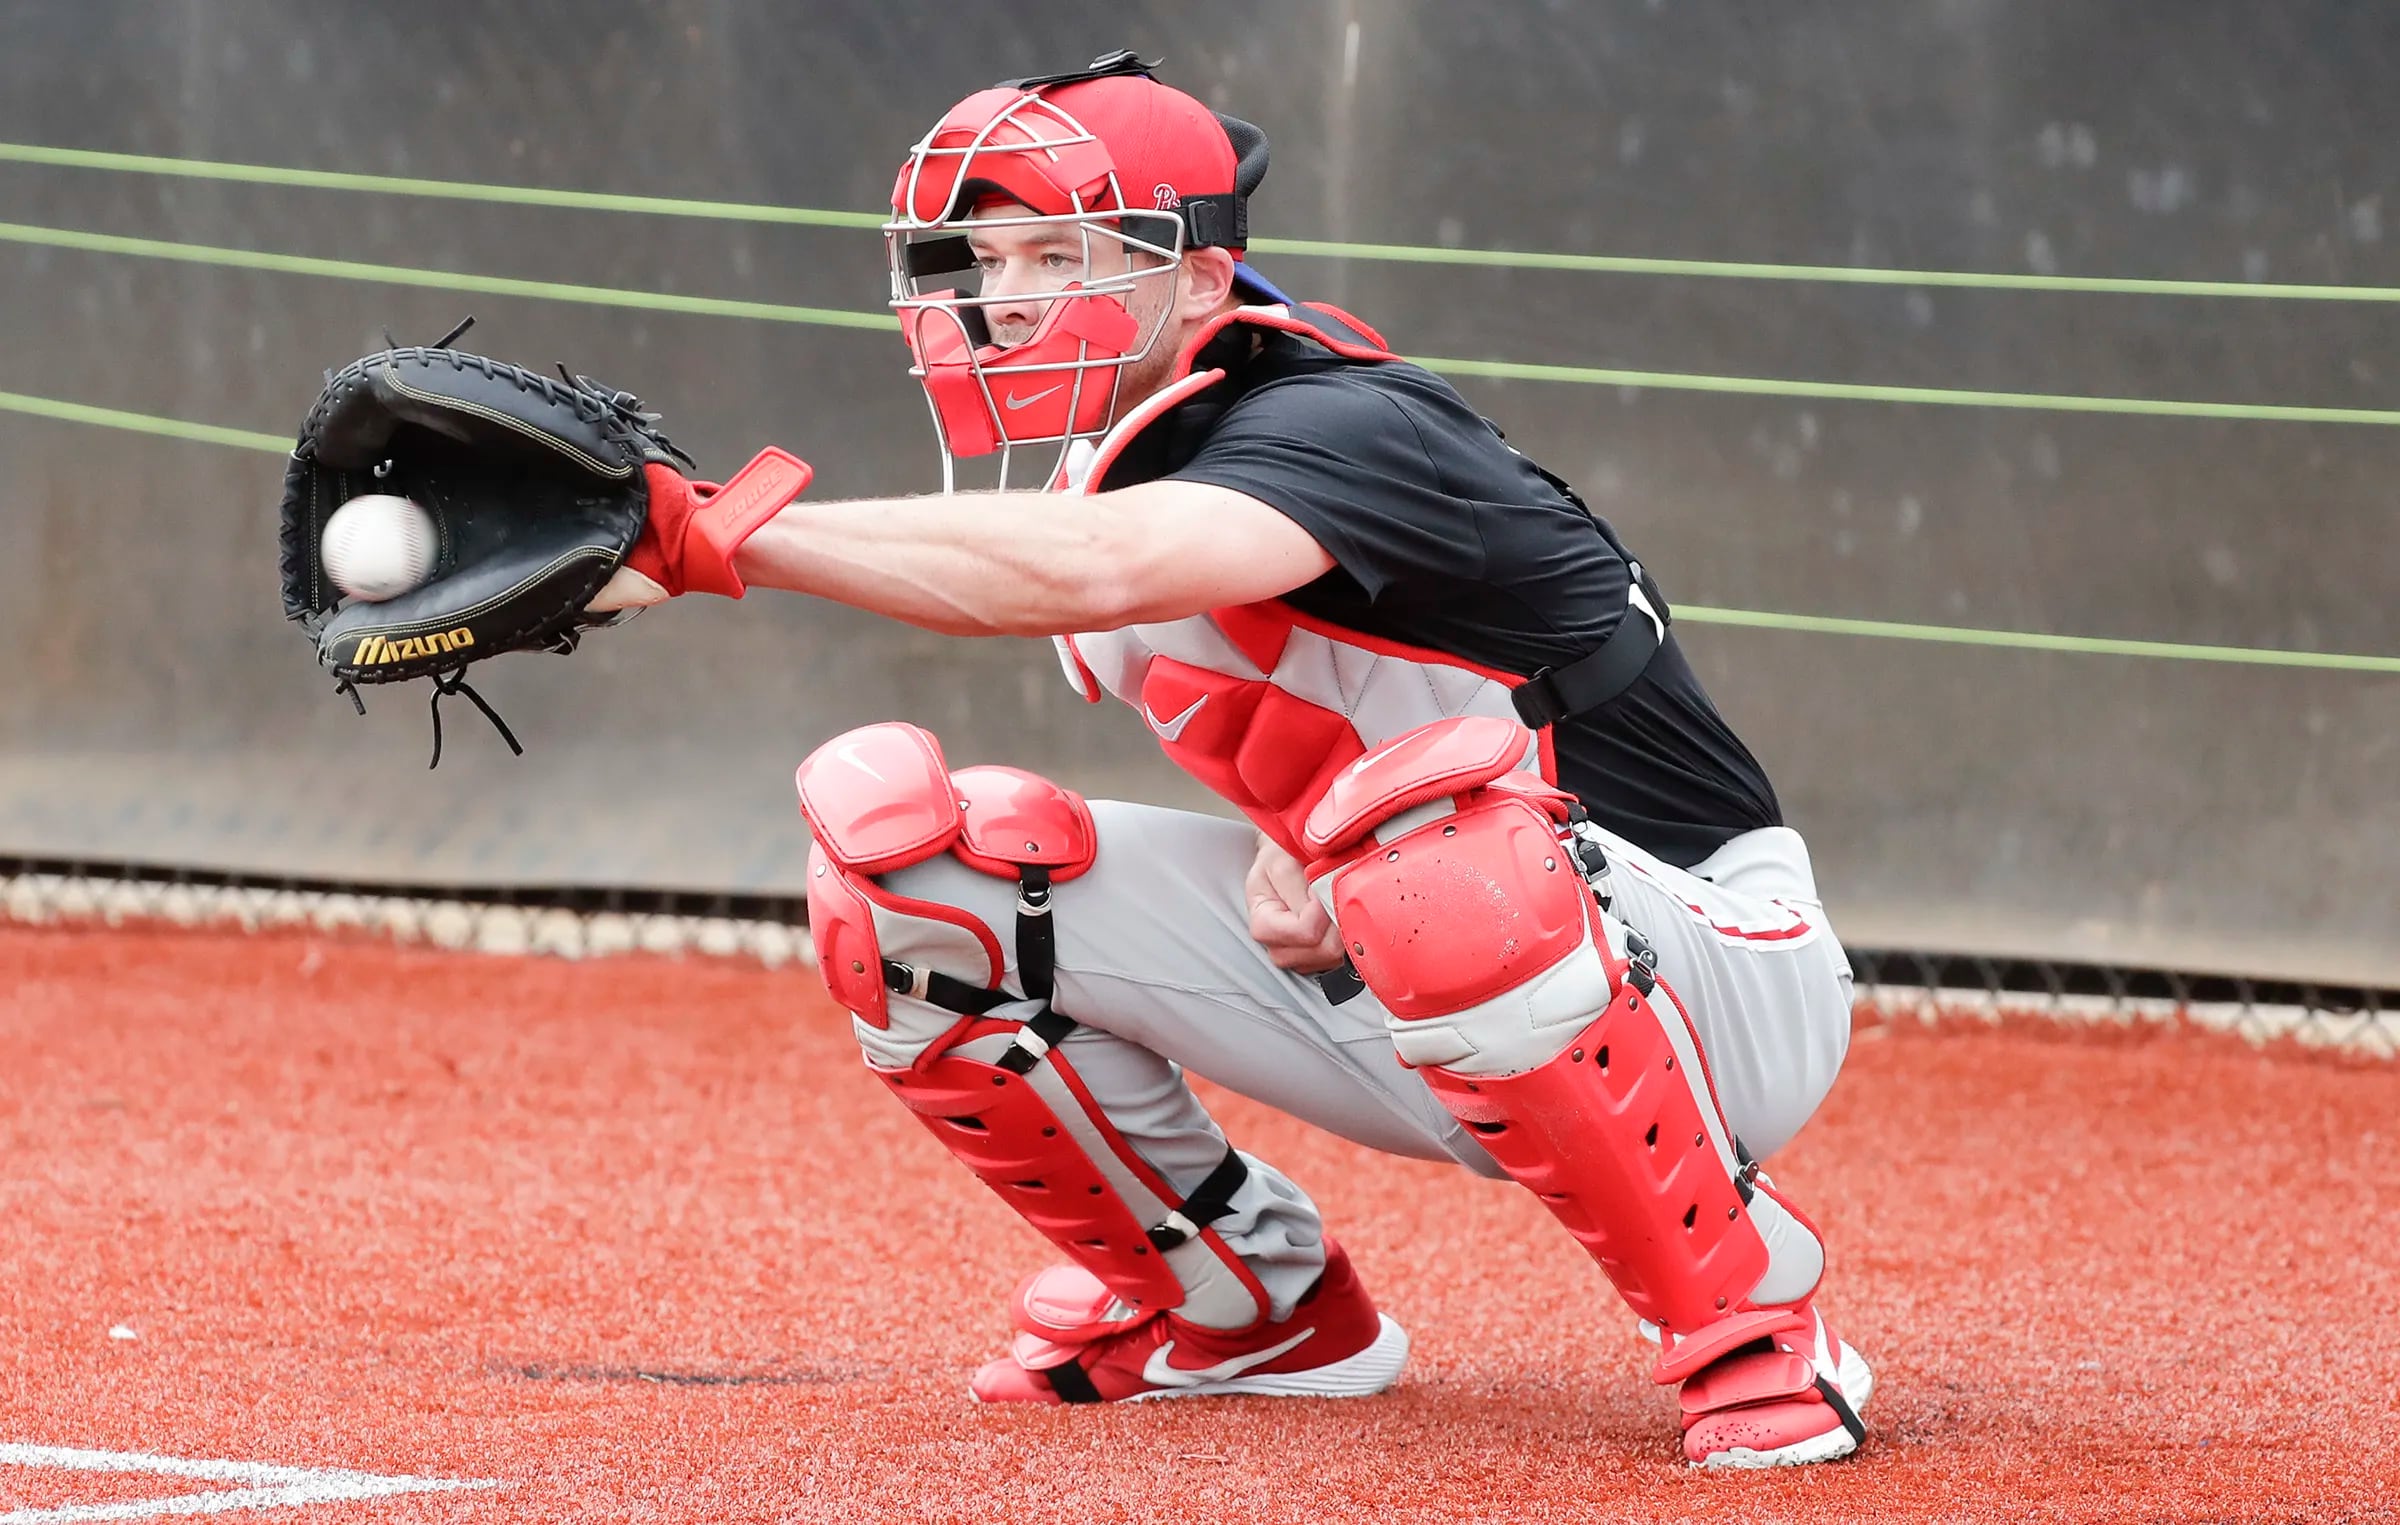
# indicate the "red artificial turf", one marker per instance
pixel 638 1240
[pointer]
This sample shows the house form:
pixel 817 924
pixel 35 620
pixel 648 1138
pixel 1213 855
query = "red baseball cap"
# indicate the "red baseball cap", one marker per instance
pixel 1168 152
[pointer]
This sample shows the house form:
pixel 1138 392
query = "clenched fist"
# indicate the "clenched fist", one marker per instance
pixel 1285 918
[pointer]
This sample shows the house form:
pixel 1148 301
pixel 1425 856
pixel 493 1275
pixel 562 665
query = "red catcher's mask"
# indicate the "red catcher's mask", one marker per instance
pixel 1031 226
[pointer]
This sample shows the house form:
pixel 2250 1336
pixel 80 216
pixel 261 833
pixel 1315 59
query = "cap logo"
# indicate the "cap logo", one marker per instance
pixel 1163 197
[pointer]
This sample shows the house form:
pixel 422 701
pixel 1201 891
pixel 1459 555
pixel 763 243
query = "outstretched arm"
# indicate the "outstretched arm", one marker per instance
pixel 1031 563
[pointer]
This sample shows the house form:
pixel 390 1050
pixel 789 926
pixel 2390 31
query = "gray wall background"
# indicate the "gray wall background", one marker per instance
pixel 154 706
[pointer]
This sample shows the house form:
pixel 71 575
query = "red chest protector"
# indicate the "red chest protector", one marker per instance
pixel 1263 704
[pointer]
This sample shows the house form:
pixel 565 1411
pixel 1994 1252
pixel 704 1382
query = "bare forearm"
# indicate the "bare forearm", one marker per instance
pixel 1016 563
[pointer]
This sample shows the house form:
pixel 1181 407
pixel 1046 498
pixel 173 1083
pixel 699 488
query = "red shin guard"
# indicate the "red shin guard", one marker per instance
pixel 1037 1139
pixel 1466 896
pixel 1610 1136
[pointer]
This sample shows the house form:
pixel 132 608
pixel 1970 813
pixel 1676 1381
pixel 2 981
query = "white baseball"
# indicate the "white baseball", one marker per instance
pixel 379 546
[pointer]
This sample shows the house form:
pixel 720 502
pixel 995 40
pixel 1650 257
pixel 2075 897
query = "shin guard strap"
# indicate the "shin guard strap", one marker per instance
pixel 1071 1382
pixel 1037 943
pixel 942 990
pixel 1842 1410
pixel 1210 1200
pixel 1035 1039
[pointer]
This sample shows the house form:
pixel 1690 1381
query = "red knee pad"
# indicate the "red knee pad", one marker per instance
pixel 882 798
pixel 1457 887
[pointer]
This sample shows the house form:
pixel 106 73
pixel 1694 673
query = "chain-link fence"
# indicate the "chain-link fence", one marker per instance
pixel 1900 984
pixel 553 923
pixel 1893 984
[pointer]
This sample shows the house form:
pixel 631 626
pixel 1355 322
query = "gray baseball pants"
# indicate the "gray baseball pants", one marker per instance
pixel 1156 964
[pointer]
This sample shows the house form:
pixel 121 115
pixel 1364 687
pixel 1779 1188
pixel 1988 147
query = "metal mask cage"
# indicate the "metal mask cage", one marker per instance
pixel 1145 245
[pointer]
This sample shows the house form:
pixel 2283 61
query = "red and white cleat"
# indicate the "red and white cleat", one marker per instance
pixel 1783 1401
pixel 1077 1344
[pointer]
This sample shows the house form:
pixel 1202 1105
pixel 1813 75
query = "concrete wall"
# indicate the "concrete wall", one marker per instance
pixel 154 706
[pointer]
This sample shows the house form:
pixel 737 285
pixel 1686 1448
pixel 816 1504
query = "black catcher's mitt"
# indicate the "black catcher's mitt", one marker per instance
pixel 537 490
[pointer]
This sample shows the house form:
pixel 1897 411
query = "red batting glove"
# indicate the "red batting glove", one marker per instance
pixel 694 528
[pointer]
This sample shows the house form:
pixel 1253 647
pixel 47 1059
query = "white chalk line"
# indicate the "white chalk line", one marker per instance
pixel 270 1486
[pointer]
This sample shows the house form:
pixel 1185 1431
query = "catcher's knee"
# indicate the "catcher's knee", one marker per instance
pixel 1464 899
pixel 1475 909
pixel 913 971
pixel 970 1044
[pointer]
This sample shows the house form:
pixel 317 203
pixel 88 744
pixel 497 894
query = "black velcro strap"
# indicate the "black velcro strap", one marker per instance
pixel 941 989
pixel 1047 1031
pixel 1599 675
pixel 1122 61
pixel 1210 1200
pixel 1072 1383
pixel 1037 940
pixel 1842 1410
pixel 1341 984
pixel 1216 222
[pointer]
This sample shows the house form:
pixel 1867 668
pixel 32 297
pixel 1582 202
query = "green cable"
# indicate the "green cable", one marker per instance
pixel 2028 640
pixel 1849 275
pixel 144 423
pixel 1494 259
pixel 1949 397
pixel 1698 614
pixel 449 190
pixel 438 280
pixel 832 317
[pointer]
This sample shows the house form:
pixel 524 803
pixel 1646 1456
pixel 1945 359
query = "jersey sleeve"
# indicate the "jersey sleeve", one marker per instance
pixel 1343 459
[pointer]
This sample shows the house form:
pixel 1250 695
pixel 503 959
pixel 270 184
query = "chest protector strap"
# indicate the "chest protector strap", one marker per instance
pixel 1608 669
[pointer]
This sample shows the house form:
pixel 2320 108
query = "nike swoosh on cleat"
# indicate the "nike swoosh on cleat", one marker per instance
pixel 1159 1371
pixel 1012 401
pixel 1170 730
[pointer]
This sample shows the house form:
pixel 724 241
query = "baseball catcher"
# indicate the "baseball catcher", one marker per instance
pixel 1511 893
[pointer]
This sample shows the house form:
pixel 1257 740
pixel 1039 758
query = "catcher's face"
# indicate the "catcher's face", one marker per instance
pixel 1033 261
pixel 1038 261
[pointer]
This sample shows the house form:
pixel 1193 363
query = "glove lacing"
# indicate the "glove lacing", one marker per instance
pixel 456 683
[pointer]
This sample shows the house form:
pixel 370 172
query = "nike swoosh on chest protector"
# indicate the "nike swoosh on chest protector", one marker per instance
pixel 1170 730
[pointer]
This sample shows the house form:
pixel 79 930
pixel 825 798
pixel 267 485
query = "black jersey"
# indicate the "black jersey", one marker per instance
pixel 1447 539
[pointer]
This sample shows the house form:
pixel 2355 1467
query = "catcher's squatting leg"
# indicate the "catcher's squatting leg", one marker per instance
pixel 1093 1139
pixel 1539 1019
